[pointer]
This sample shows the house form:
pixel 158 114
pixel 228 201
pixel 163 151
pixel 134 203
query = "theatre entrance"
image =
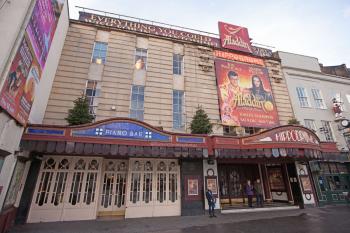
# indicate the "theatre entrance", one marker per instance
pixel 232 181
pixel 113 188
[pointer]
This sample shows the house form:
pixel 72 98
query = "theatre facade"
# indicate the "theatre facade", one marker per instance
pixel 124 167
pixel 144 82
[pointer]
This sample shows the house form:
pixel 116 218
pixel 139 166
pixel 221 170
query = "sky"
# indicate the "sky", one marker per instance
pixel 319 29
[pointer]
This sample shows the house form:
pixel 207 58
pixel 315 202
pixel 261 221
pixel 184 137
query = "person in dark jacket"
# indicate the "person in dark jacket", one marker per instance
pixel 211 202
pixel 258 189
pixel 250 193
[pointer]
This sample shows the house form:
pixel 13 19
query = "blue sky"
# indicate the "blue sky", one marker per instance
pixel 315 28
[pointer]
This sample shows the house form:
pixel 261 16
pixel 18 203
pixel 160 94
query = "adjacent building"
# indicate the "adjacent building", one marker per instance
pixel 320 98
pixel 30 48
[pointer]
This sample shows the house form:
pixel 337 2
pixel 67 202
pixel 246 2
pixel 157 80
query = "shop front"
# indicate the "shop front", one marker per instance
pixel 278 158
pixel 114 168
pixel 122 168
pixel 331 178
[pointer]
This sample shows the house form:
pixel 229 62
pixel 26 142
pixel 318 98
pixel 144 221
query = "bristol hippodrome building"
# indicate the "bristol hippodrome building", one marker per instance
pixel 144 82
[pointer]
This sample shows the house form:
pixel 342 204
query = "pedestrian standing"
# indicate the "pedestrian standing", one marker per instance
pixel 211 202
pixel 250 193
pixel 258 193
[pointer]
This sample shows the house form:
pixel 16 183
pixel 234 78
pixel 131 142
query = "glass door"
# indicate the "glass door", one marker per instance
pixel 113 187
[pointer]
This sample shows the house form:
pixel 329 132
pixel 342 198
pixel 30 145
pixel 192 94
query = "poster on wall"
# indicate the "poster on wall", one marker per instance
pixel 245 95
pixel 212 184
pixel 305 184
pixel 18 92
pixel 192 187
pixel 276 179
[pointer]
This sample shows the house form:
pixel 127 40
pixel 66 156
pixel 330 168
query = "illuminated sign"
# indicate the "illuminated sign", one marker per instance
pixel 234 37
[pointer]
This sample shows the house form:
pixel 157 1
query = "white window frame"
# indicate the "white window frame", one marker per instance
pixel 303 99
pixel 103 59
pixel 180 64
pixel 182 114
pixel 310 124
pixel 93 99
pixel 327 131
pixel 318 98
pixel 142 52
pixel 143 104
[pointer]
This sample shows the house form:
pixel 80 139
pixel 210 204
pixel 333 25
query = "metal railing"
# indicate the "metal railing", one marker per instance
pixel 156 23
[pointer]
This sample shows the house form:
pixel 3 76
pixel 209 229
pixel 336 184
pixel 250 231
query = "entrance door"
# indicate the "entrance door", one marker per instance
pixel 232 180
pixel 113 188
pixel 294 184
pixel 153 188
pixel 66 189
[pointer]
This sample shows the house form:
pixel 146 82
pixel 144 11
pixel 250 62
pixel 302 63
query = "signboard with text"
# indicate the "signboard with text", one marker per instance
pixel 234 37
pixel 18 92
pixel 238 57
pixel 285 135
pixel 122 130
pixel 245 95
pixel 156 30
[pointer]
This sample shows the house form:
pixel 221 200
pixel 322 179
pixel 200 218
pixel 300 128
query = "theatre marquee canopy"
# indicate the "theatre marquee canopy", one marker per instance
pixel 123 137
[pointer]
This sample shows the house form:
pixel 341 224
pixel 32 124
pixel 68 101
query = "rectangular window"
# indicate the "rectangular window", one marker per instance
pixel 319 103
pixel 310 124
pixel 302 97
pixel 140 59
pixel 177 64
pixel 178 110
pixel 137 100
pixel 92 92
pixel 327 131
pixel 100 52
pixel 348 97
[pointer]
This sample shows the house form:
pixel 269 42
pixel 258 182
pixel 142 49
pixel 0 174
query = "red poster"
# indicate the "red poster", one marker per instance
pixel 245 95
pixel 19 87
pixel 18 92
pixel 234 37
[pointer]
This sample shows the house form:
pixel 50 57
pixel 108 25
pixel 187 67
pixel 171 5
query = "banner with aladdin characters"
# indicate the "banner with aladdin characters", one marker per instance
pixel 245 95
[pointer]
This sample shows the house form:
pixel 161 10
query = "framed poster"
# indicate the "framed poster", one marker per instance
pixel 211 183
pixel 305 184
pixel 276 179
pixel 192 187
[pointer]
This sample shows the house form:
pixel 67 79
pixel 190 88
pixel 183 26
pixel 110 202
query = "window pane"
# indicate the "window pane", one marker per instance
pixel 137 102
pixel 140 59
pixel 99 53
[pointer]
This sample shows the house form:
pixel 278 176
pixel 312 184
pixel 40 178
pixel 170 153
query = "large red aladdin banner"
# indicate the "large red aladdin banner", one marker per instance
pixel 18 91
pixel 234 37
pixel 245 95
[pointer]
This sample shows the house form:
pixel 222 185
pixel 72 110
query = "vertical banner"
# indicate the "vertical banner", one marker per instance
pixel 245 95
pixel 18 92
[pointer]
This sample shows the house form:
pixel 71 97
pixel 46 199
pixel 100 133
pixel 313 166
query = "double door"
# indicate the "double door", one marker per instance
pixel 153 188
pixel 113 188
pixel 66 189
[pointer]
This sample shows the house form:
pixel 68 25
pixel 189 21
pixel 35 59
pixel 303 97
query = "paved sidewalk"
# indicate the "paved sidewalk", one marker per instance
pixel 160 224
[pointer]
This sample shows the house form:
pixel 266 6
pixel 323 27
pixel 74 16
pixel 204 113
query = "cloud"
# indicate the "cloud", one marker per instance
pixel 346 12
